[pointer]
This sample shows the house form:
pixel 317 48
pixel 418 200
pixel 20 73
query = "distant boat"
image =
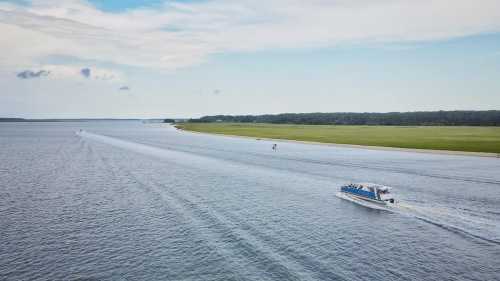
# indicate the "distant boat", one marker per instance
pixel 370 192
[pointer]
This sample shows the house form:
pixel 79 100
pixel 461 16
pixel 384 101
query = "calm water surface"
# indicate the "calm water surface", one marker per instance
pixel 133 201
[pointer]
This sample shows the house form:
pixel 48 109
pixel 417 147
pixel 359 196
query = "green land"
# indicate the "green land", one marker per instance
pixel 454 138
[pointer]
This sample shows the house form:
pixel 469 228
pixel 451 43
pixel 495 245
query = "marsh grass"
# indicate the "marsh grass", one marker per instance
pixel 456 138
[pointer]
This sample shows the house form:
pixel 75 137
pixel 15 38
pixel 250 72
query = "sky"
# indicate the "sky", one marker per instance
pixel 155 58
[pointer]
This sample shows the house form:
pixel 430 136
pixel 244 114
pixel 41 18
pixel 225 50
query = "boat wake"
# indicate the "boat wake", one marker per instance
pixel 466 225
pixel 469 224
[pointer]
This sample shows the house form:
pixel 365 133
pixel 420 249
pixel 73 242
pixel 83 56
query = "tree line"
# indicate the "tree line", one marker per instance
pixel 420 118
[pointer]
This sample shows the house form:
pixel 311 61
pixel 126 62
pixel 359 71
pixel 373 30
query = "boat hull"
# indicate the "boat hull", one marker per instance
pixel 380 202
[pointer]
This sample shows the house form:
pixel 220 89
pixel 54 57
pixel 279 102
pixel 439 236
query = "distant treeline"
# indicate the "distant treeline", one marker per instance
pixel 421 118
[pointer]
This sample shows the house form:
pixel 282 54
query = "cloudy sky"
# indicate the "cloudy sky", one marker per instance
pixel 130 58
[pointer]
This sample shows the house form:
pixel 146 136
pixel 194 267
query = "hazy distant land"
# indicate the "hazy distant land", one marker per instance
pixel 64 120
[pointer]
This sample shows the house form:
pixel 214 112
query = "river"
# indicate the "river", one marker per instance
pixel 125 200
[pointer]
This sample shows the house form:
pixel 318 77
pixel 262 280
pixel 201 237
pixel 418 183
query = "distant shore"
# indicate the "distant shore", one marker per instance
pixel 21 120
pixel 245 131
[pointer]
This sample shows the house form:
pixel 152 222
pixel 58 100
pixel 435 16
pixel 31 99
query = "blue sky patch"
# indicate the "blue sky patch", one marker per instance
pixel 124 5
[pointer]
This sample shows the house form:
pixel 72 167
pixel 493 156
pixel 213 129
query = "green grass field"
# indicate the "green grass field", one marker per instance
pixel 473 139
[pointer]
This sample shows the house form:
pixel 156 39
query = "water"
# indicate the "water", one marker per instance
pixel 133 201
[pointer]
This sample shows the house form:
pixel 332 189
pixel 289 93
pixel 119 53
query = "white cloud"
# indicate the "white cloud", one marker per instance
pixel 184 34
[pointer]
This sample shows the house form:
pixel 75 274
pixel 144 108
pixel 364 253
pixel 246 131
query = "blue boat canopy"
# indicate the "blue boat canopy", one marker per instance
pixel 370 191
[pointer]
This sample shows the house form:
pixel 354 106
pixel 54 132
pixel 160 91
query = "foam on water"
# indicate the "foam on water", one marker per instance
pixel 453 220
pixel 450 219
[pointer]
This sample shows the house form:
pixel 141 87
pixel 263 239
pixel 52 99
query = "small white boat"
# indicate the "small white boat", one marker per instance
pixel 368 191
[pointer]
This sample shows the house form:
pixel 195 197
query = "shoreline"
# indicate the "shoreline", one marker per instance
pixel 359 146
